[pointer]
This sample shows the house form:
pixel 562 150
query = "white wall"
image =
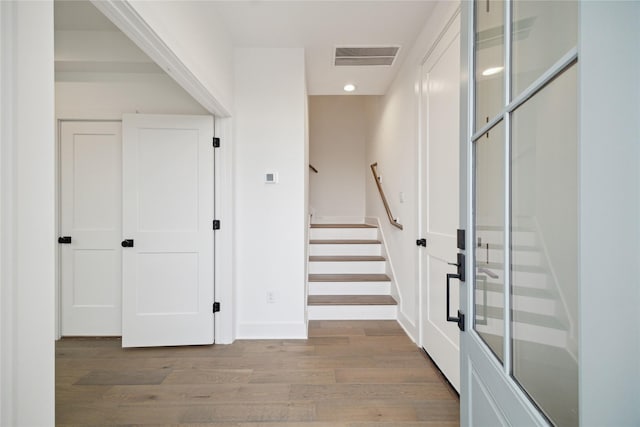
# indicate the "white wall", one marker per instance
pixel 337 135
pixel 270 222
pixel 393 143
pixel 609 210
pixel 193 32
pixel 100 47
pixel 108 96
pixel 27 215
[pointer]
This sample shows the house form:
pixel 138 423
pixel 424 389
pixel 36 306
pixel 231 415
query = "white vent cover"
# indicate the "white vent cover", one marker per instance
pixel 365 56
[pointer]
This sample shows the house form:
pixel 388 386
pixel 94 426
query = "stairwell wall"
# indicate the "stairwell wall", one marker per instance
pixel 338 126
pixel 270 221
pixel 392 142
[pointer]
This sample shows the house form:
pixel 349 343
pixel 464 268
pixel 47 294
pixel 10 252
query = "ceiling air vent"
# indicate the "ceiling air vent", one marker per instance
pixel 365 56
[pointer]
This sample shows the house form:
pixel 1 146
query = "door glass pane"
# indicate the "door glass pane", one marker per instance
pixel 489 60
pixel 544 247
pixel 489 234
pixel 542 32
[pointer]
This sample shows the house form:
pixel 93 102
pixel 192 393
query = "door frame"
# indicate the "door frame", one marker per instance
pixel 135 27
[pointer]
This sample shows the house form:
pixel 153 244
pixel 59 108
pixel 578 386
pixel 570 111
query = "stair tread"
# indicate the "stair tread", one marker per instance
pixel 534 319
pixel 518 290
pixel 351 300
pixel 343 226
pixel 500 228
pixel 345 258
pixel 344 242
pixel 349 278
pixel 518 268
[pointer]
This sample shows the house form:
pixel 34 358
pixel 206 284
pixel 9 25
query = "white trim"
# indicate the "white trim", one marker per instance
pixel 224 188
pixel 410 328
pixel 6 215
pixel 26 214
pixel 265 331
pixel 125 17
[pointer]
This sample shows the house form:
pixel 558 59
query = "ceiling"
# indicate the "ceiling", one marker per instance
pixel 317 26
pixel 320 26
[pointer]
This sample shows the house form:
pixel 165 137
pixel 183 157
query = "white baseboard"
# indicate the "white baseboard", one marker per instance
pixel 409 327
pixel 271 331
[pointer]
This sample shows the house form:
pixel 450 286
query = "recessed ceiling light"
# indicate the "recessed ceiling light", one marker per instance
pixel 349 87
pixel 491 71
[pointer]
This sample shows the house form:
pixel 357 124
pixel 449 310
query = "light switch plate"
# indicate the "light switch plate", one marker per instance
pixel 271 178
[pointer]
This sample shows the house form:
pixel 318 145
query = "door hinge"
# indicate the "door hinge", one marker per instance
pixel 216 142
pixel 216 307
pixel 216 224
pixel 422 242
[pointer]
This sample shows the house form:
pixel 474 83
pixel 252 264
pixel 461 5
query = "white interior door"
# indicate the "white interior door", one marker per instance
pixel 167 214
pixel 440 204
pixel 90 221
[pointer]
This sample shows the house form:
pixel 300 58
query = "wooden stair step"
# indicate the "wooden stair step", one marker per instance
pixel 345 258
pixel 349 278
pixel 344 242
pixel 351 300
pixel 343 226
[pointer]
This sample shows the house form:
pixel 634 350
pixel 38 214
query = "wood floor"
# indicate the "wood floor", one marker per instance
pixel 347 374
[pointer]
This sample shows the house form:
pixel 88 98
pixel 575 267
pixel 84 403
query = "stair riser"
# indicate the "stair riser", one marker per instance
pixel 520 303
pixel 525 258
pixel 523 238
pixel 523 279
pixel 530 280
pixel 345 249
pixel 347 267
pixel 530 333
pixel 349 288
pixel 343 233
pixel 352 312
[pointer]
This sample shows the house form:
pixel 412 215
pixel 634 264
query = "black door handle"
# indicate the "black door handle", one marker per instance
pixel 65 240
pixel 460 319
pixel 128 243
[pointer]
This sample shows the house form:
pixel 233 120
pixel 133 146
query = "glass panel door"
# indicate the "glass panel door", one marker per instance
pixel 524 299
pixel 544 248
pixel 490 238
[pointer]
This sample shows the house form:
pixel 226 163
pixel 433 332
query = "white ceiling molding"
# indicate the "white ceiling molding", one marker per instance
pixel 127 19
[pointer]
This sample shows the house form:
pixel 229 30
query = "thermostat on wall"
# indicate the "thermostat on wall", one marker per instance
pixel 271 178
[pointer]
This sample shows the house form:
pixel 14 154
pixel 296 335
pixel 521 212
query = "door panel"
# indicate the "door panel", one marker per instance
pixel 440 101
pixel 519 352
pixel 168 212
pixel 90 213
pixel 488 412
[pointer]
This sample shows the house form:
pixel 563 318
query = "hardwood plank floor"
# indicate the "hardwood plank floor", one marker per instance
pixel 347 374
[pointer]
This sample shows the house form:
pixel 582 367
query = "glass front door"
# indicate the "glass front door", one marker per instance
pixel 523 298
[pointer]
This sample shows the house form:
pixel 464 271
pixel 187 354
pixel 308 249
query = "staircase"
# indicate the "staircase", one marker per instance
pixel 538 314
pixel 347 274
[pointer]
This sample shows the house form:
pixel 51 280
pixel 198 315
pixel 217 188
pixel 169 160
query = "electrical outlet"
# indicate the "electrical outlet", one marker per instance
pixel 271 297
